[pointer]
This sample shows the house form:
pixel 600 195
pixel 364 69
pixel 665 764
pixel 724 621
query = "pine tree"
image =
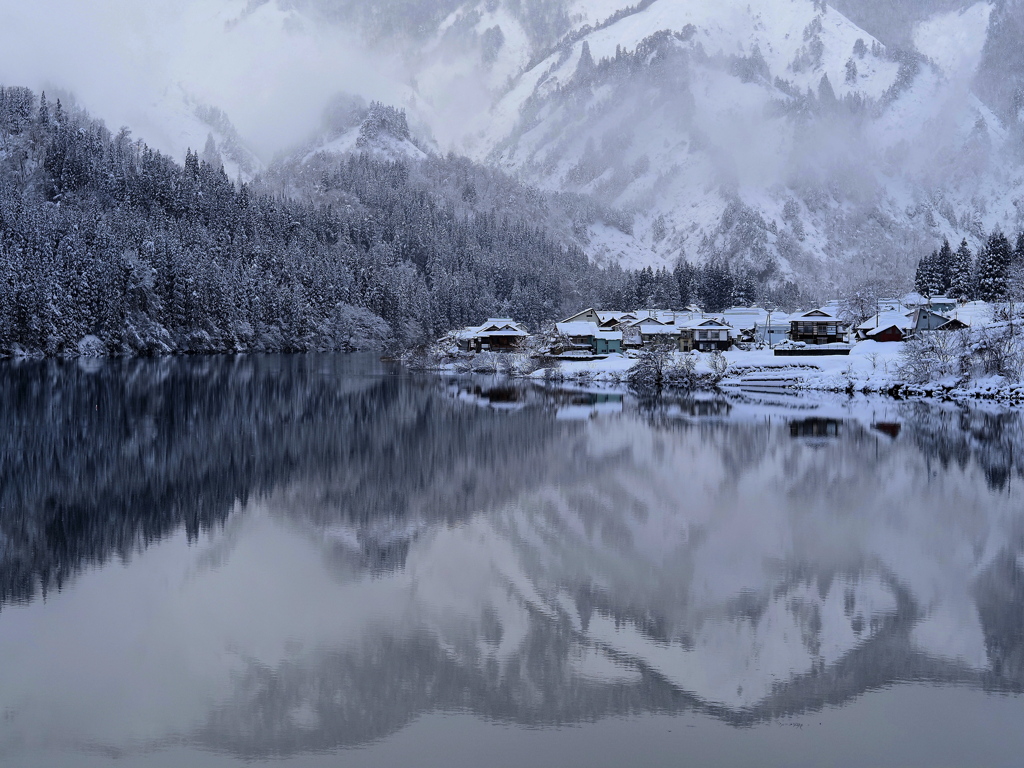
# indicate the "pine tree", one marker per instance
pixel 961 283
pixel 994 268
pixel 851 72
pixel 928 279
pixel 586 65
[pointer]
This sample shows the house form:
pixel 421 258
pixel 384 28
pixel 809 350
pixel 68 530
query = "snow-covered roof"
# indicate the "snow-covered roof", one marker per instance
pixel 746 317
pixel 777 319
pixel 582 313
pixel 653 329
pixel 973 313
pixel 495 326
pixel 578 328
pixel 884 320
pixel 644 320
pixel 913 299
pixel 609 335
pixel 820 315
pixel 892 305
pixel 705 323
pixel 616 316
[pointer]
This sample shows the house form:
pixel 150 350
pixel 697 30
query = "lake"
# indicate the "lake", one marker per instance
pixel 320 560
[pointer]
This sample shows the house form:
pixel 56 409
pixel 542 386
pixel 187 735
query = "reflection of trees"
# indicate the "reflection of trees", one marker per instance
pixel 96 464
pixel 994 440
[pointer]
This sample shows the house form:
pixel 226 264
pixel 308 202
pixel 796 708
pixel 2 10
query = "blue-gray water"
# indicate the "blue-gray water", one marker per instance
pixel 319 561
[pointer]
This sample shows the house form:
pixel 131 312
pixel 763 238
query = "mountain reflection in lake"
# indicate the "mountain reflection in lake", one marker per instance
pixel 218 560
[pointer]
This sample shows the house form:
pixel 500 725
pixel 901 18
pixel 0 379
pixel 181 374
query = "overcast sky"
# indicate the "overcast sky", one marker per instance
pixel 272 74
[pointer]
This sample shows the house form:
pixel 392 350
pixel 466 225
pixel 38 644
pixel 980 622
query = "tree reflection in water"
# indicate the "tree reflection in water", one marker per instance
pixel 535 558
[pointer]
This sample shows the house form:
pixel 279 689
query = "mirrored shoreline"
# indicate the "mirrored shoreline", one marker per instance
pixel 267 557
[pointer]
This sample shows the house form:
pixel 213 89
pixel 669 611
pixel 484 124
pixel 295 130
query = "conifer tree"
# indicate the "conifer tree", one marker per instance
pixel 961 273
pixel 994 268
pixel 943 270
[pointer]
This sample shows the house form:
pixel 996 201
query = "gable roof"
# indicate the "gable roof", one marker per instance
pixel 577 328
pixel 884 320
pixel 822 315
pixel 498 326
pixel 658 329
pixel 582 313
pixel 706 323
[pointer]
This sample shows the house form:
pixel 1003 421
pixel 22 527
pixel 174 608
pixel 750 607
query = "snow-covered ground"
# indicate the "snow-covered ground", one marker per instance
pixel 871 366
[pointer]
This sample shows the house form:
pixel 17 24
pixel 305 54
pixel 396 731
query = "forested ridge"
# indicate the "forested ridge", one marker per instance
pixel 108 247
pixel 105 240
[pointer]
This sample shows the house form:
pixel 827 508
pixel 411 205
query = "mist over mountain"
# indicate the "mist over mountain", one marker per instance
pixel 803 141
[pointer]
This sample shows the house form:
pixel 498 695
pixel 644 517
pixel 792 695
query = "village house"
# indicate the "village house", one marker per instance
pixel 774 329
pixel 745 320
pixel 887 326
pixel 588 337
pixel 705 334
pixel 610 321
pixel 588 315
pixel 941 304
pixel 924 319
pixel 655 332
pixel 819 326
pixel 498 334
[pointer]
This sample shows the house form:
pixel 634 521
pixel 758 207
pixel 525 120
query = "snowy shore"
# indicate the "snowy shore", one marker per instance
pixel 871 367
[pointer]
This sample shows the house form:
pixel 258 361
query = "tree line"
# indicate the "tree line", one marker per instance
pixel 995 274
pixel 110 247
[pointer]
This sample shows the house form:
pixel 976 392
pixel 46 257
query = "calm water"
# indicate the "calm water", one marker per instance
pixel 316 561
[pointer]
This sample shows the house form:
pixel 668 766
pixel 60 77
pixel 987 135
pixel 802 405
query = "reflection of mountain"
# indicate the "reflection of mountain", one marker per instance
pixel 694 566
pixel 381 547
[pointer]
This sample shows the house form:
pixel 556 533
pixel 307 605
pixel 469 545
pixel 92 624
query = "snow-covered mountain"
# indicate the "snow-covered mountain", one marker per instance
pixel 779 134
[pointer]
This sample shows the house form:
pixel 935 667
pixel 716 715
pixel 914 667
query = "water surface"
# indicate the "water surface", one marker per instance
pixel 320 561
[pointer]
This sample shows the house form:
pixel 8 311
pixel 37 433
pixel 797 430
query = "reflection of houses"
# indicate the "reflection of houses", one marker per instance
pixel 819 326
pixel 815 428
pixel 498 334
pixel 890 428
pixel 499 397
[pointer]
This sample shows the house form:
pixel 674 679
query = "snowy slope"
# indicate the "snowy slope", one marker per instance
pixel 709 123
pixel 729 114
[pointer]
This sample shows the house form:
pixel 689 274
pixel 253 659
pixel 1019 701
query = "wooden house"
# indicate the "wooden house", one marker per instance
pixel 498 334
pixel 819 326
pixel 705 334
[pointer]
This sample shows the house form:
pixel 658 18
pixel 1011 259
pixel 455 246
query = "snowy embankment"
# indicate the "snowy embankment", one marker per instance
pixel 871 367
